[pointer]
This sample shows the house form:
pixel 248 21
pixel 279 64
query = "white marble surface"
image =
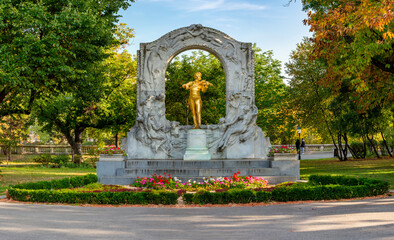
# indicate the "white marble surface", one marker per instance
pixel 196 148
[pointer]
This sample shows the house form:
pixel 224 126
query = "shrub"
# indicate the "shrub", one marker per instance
pixel 68 196
pixel 59 160
pixel 59 183
pixel 319 188
pixel 44 159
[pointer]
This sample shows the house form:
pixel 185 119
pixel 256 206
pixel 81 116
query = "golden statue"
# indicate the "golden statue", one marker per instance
pixel 195 102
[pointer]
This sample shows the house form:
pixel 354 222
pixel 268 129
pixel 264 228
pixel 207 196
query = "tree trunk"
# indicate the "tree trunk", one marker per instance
pixel 325 120
pixel 340 152
pixel 354 154
pixel 9 154
pixel 365 147
pixel 76 145
pixel 346 146
pixel 117 139
pixel 373 146
pixel 385 144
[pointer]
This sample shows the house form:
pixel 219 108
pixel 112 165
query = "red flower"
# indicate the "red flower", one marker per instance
pixel 239 172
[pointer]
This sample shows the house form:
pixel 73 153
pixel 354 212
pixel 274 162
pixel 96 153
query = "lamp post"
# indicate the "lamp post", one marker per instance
pixel 299 139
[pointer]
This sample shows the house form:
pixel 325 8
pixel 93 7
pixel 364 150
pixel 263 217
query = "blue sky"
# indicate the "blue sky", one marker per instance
pixel 268 23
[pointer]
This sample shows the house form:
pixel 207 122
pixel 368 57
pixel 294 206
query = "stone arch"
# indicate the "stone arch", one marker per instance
pixel 237 59
pixel 236 136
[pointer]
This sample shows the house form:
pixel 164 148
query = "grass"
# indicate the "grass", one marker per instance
pixel 14 175
pixel 381 169
pixel 18 159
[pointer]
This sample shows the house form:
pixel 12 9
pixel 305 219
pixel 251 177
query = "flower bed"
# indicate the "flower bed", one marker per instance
pixel 110 150
pixel 216 192
pixel 235 181
pixel 281 149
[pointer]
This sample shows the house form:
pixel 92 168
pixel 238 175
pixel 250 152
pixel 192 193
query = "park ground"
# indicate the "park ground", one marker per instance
pixel 377 168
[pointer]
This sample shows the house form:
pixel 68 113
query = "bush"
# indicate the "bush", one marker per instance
pixel 59 160
pixel 68 196
pixel 44 159
pixel 319 188
pixel 59 183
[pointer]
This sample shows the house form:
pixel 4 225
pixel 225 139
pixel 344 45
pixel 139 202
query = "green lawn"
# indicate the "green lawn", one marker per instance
pixel 15 175
pixel 382 169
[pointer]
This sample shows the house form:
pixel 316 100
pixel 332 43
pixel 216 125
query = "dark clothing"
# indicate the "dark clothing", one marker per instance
pixel 303 143
pixel 298 144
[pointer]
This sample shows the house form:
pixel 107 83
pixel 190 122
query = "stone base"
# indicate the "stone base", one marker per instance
pixel 285 156
pixel 108 165
pixel 197 146
pixel 127 171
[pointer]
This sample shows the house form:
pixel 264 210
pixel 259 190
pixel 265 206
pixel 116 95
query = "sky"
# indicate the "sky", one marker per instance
pixel 268 23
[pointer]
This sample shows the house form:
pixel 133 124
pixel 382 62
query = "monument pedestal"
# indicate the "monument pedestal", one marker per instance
pixel 196 148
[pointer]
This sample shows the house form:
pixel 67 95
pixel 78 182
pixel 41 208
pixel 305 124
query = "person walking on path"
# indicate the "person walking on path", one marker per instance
pixel 303 146
pixel 298 145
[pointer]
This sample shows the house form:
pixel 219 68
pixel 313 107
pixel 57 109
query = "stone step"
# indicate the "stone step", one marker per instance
pixel 199 172
pixel 181 164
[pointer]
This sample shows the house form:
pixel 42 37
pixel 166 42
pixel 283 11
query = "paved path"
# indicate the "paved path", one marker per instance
pixel 319 155
pixel 357 219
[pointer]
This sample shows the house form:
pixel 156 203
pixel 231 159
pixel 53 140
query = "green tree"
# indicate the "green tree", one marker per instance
pixel 12 130
pixel 47 47
pixel 105 99
pixel 275 116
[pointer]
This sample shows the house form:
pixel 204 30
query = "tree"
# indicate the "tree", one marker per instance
pixel 356 39
pixel 117 111
pixel 334 112
pixel 275 116
pixel 12 130
pixel 314 103
pixel 307 97
pixel 105 99
pixel 48 46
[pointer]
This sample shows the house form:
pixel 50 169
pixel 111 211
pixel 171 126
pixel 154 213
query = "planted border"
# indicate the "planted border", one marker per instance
pixel 58 191
pixel 319 188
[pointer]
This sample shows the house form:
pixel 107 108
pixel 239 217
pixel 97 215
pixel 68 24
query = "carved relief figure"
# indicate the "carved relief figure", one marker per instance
pixel 241 127
pixel 153 68
pixel 195 102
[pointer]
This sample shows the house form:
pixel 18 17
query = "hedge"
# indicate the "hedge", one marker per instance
pixel 47 191
pixel 72 182
pixel 318 188
pixel 69 196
